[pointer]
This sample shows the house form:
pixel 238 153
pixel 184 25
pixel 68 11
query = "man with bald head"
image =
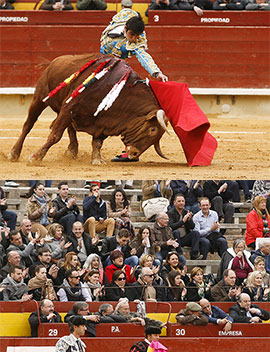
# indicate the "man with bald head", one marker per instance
pixel 245 312
pixel 26 231
pixel 13 258
pixel 47 315
pixel 216 315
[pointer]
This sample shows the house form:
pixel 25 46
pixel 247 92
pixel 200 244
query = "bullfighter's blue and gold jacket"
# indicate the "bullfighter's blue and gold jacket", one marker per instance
pixel 113 41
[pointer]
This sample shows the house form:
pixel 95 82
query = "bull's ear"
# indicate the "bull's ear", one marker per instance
pixel 151 115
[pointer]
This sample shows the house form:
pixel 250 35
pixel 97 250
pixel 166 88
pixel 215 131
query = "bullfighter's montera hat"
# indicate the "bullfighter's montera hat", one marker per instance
pixel 188 121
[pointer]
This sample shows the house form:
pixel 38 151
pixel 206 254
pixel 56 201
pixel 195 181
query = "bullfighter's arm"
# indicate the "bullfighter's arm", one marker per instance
pixel 147 61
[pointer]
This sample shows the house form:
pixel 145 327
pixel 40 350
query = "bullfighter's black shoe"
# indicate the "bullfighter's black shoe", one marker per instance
pixel 123 158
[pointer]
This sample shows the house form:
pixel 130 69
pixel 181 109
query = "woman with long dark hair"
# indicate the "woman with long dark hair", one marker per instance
pixel 40 209
pixel 118 208
pixel 176 290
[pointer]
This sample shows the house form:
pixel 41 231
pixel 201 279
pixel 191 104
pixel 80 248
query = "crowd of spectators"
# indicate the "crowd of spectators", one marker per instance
pixel 190 5
pixel 61 253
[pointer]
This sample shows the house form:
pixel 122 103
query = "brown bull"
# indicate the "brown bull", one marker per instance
pixel 135 114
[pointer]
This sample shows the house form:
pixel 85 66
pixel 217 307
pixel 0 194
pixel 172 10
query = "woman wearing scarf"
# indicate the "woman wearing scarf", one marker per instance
pixel 118 208
pixel 197 288
pixel 39 209
pixel 91 279
pixel 258 222
pixel 255 287
pixel 238 259
pixel 40 286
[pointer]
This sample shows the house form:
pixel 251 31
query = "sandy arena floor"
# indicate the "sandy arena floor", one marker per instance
pixel 243 153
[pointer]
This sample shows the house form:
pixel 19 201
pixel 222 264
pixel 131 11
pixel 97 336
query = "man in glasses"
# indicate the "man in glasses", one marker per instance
pixel 47 315
pixel 82 309
pixel 145 288
pixel 72 289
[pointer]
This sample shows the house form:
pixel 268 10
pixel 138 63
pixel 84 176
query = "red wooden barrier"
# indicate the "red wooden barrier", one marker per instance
pixel 207 344
pixel 105 330
pixel 201 55
pixel 151 307
pixel 209 18
pixel 77 18
pixel 212 330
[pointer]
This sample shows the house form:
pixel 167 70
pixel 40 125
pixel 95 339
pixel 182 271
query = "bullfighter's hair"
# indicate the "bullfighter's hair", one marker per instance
pixel 135 24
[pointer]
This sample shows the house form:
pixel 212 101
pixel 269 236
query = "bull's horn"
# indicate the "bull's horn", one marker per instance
pixel 158 150
pixel 162 120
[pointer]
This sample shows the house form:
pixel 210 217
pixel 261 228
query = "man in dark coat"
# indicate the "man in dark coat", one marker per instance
pixel 82 309
pixel 180 221
pixel 82 244
pixel 121 242
pixel 47 315
pixel 145 289
pixel 66 208
pixel 225 290
pixel 245 312
pixel 151 334
pixel 219 195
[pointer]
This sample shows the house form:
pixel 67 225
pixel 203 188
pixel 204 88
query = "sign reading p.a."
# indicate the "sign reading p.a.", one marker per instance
pixel 115 328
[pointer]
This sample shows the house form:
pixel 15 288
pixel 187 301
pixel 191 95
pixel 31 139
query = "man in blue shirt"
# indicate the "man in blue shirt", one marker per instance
pixel 206 223
pixel 216 315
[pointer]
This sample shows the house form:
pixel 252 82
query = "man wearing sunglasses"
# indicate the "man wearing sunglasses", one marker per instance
pixel 72 289
pixel 145 287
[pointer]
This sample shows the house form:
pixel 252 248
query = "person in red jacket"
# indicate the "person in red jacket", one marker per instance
pixel 117 259
pixel 258 222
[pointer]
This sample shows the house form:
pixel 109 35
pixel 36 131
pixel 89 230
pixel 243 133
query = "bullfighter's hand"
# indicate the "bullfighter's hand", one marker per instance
pixel 162 77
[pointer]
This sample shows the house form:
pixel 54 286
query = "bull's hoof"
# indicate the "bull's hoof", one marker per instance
pixel 34 159
pixel 12 156
pixel 71 154
pixel 98 162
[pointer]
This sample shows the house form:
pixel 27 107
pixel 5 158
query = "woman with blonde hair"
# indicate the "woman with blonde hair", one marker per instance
pixel 197 287
pixel 258 222
pixel 55 241
pixel 40 209
pixel 259 265
pixel 255 287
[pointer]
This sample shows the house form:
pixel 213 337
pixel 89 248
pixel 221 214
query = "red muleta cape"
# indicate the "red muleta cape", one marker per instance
pixel 188 121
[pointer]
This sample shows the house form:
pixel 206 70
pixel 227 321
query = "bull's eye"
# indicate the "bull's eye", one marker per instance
pixel 153 130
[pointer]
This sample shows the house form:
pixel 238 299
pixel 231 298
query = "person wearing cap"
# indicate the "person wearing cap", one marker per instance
pixel 72 342
pixel 151 334
pixel 126 4
pixel 191 315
